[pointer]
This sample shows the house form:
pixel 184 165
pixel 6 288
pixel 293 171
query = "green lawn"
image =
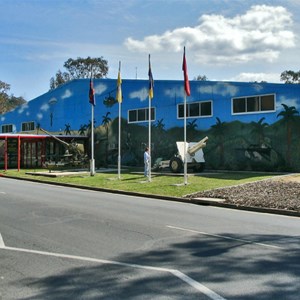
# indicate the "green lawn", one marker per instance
pixel 162 184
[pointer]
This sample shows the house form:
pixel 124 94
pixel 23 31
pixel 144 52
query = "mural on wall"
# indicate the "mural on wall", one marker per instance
pixel 233 145
pixel 267 141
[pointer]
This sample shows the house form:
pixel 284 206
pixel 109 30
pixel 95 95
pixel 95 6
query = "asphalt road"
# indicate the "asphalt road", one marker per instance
pixel 66 243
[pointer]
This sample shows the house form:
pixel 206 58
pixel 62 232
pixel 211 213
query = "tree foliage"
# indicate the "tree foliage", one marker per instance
pixel 8 102
pixel 80 68
pixel 201 78
pixel 290 76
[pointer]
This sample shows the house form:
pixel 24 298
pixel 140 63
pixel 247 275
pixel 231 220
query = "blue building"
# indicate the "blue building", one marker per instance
pixel 251 126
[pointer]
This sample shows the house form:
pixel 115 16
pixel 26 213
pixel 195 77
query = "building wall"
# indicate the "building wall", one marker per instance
pixel 247 141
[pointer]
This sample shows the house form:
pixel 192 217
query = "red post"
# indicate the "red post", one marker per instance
pixel 5 154
pixel 19 153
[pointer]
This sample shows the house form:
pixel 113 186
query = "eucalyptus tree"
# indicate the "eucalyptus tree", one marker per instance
pixel 80 68
pixel 8 102
pixel 290 76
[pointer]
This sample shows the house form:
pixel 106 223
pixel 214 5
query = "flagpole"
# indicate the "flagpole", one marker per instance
pixel 149 138
pixel 92 162
pixel 150 96
pixel 184 147
pixel 92 102
pixel 187 92
pixel 119 99
pixel 119 143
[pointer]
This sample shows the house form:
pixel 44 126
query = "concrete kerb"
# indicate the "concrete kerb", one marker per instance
pixel 196 201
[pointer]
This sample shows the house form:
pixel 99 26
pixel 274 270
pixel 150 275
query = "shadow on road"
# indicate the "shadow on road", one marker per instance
pixel 225 266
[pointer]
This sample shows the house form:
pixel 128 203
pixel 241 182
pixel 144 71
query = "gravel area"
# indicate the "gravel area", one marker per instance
pixel 278 193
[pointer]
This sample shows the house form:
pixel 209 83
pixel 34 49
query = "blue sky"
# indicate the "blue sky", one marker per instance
pixel 232 40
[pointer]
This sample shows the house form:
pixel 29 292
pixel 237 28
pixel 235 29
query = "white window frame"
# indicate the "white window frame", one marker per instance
pixel 7 125
pixel 140 109
pixel 25 124
pixel 196 102
pixel 259 111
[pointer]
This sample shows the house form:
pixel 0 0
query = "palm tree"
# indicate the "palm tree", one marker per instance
pixel 89 127
pixel 82 129
pixel 67 129
pixel 259 129
pixel 219 131
pixel 191 126
pixel 160 125
pixel 288 115
pixel 105 122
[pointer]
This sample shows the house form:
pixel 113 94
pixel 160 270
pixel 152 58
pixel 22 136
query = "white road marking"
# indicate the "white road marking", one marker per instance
pixel 2 193
pixel 198 286
pixel 2 245
pixel 225 237
pixel 195 284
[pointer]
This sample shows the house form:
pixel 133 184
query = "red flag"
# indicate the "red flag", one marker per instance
pixel 185 74
pixel 92 93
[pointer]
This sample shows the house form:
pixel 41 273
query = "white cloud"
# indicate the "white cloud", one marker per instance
pixel 39 116
pixel 45 107
pixel 207 89
pixel 100 88
pixel 288 102
pixel 251 77
pixel 222 88
pixel 22 108
pixel 141 94
pixel 177 91
pixel 260 34
pixel 67 94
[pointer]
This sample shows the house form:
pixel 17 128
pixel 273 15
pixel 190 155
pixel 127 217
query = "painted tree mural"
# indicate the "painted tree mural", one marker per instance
pixel 67 129
pixel 191 128
pixel 258 130
pixel 105 122
pixel 219 132
pixel 82 129
pixel 288 116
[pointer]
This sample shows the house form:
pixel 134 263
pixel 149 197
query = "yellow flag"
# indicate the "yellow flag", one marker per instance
pixel 119 88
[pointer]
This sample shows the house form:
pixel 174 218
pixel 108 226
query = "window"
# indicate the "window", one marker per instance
pixel 140 115
pixel 195 109
pixel 267 103
pixel 7 128
pixel 28 126
pixel 253 104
